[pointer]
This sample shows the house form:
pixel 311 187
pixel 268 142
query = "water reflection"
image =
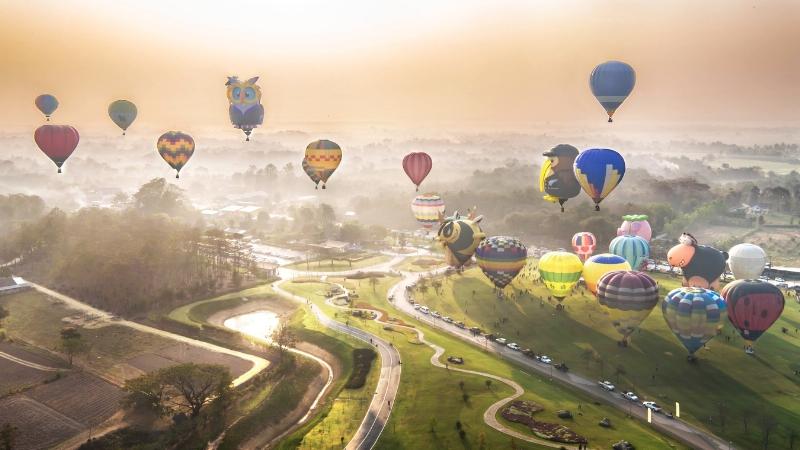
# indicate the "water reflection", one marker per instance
pixel 258 324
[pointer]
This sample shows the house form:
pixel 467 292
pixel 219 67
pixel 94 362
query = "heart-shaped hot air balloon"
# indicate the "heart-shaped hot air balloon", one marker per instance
pixel 57 142
pixel 176 148
pixel 417 167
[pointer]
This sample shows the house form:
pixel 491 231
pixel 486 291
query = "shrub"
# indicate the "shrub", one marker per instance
pixel 362 362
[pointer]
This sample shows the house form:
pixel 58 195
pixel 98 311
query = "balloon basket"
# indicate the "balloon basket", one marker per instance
pixel 610 120
pixel 177 175
pixel 59 170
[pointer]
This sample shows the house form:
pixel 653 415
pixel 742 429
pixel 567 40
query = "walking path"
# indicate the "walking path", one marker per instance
pixel 28 363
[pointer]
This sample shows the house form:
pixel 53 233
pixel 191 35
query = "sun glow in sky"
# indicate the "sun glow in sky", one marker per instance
pixel 406 63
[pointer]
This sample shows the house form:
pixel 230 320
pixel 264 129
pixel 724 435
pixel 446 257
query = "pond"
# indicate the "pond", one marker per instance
pixel 258 324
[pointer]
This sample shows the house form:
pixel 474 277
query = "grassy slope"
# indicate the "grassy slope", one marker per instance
pixel 420 264
pixel 655 363
pixel 428 393
pixel 337 266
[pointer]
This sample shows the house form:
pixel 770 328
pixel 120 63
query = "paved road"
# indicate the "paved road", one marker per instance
pixel 371 427
pixel 675 428
pixel 259 364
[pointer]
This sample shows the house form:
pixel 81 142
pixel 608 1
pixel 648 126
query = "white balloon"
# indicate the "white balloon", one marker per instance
pixel 747 261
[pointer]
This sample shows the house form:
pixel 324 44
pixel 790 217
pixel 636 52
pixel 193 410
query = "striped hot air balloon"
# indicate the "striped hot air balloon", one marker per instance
pixel 417 166
pixel 694 315
pixel 599 265
pixel 310 172
pixel 560 271
pixel 176 148
pixel 323 156
pixel 634 249
pixel 501 258
pixel 57 142
pixel 753 306
pixel 627 299
pixel 428 209
pixel 584 244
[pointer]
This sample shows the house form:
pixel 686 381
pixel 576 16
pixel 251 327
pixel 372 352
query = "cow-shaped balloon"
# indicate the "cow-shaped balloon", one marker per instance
pixel 702 265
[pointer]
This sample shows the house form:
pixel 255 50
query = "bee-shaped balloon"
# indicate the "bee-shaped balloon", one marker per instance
pixel 460 237
pixel 246 111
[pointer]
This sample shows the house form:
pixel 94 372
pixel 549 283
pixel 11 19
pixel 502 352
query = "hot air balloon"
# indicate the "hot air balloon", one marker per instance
pixel 598 265
pixel 428 209
pixel 747 261
pixel 460 237
pixel 584 244
pixel 245 110
pixel 176 148
pixel 753 306
pixel 599 171
pixel 47 104
pixel 693 314
pixel 323 156
pixel 627 299
pixel 701 265
pixel 57 142
pixel 122 113
pixel 635 225
pixel 557 178
pixel 501 258
pixel 417 167
pixel 634 249
pixel 611 83
pixel 310 172
pixel 560 271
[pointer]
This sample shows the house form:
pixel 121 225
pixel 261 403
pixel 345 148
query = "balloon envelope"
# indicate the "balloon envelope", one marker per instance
pixel 634 249
pixel 47 104
pixel 501 258
pixel 747 261
pixel 611 83
pixel 428 209
pixel 245 109
pixel 460 236
pixel 560 271
pixel 584 243
pixel 417 166
pixel 627 298
pixel 599 171
pixel 753 306
pixel 598 265
pixel 635 225
pixel 176 148
pixel 557 177
pixel 122 113
pixel 693 314
pixel 702 265
pixel 323 156
pixel 57 142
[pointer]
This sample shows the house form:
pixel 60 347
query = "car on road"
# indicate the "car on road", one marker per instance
pixel 447 319
pixel 630 396
pixel 417 306
pixel 455 359
pixel 528 352
pixel 424 310
pixel 501 341
pixel 436 314
pixel 668 414
pixel 475 330
pixel 513 346
pixel 545 359
pixel 606 385
pixel 652 406
pixel 779 280
pixel 461 325
pixel 391 298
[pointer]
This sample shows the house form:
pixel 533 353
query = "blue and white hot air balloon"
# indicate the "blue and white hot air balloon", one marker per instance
pixel 611 83
pixel 634 249
pixel 599 171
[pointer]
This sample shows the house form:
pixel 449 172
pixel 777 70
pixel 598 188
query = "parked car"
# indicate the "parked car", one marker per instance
pixel 461 325
pixel 513 346
pixel 562 367
pixel 545 359
pixel 779 280
pixel 606 385
pixel 528 352
pixel 652 406
pixel 455 359
pixel 424 310
pixel 475 330
pixel 630 396
pixel 490 337
pixel 501 341
pixel 668 414
pixel 447 319
pixel 417 306
pixel 436 314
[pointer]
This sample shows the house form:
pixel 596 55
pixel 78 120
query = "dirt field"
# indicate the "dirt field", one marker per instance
pixel 39 426
pixel 17 376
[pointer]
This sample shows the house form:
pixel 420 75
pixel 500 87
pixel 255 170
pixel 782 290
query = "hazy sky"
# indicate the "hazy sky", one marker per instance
pixel 449 63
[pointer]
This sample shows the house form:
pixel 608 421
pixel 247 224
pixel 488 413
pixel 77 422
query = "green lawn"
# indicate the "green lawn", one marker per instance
pixel 420 264
pixel 327 265
pixel 724 383
pixel 204 308
pixel 431 398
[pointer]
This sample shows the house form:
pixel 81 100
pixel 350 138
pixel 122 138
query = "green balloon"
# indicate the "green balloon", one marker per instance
pixel 122 113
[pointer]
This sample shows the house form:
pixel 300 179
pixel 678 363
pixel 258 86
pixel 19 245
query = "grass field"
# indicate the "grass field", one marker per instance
pixel 431 398
pixel 725 385
pixel 233 299
pixel 420 264
pixel 327 265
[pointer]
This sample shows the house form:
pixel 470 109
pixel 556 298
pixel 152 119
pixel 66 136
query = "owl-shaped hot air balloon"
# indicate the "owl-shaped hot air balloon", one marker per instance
pixel 323 157
pixel 246 111
pixel 428 209
pixel 557 178
pixel 460 237
pixel 176 148
pixel 501 258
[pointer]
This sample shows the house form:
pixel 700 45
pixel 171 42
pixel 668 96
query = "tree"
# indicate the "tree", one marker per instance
pixel 146 392
pixel 352 232
pixel 193 386
pixel 159 196
pixel 792 438
pixel 283 337
pixel 437 286
pixel 8 436
pixel 618 371
pixel 488 384
pixel 767 422
pixel 373 281
pixel 722 412
pixel 72 343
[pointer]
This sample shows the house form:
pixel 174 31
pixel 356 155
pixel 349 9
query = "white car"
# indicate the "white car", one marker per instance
pixel 513 346
pixel 630 396
pixel 424 310
pixel 417 306
pixel 606 385
pixel 447 319
pixel 545 359
pixel 501 341
pixel 436 314
pixel 779 279
pixel 652 405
